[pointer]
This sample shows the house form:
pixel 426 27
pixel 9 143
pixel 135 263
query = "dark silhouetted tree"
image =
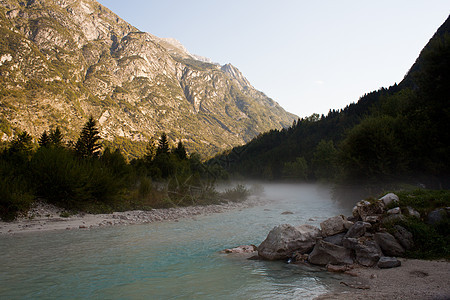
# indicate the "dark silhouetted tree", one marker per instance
pixel 88 144
pixel 56 137
pixel 44 140
pixel 180 151
pixel 163 145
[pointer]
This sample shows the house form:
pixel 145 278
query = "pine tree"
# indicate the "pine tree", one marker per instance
pixel 88 144
pixel 44 140
pixel 56 137
pixel 22 143
pixel 180 151
pixel 163 145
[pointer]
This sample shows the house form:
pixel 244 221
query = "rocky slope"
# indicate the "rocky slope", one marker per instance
pixel 63 60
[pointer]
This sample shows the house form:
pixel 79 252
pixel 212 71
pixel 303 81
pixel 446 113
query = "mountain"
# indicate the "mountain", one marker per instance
pixel 392 134
pixel 63 60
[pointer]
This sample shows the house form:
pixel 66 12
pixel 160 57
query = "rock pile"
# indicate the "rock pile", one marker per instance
pixel 342 242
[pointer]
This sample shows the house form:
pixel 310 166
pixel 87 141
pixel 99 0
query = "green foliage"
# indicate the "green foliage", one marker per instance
pixel 297 169
pixel 430 241
pixel 325 160
pixel 371 149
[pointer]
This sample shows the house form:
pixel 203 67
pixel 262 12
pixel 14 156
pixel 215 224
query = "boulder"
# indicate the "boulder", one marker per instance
pixel 357 230
pixel 326 253
pixel 394 211
pixel 388 198
pixel 367 211
pixel 367 253
pixel 332 226
pixel 393 219
pixel 335 239
pixel 389 244
pixel 350 243
pixel 283 240
pixel 404 237
pixel 388 262
pixel 412 212
pixel 436 216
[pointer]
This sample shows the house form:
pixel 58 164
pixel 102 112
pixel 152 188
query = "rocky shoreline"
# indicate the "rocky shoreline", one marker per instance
pixel 45 217
pixel 361 247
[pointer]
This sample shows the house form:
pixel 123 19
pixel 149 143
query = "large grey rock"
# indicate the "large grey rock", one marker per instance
pixel 393 219
pixel 357 230
pixel 332 226
pixel 388 262
pixel 367 253
pixel 350 243
pixel 335 239
pixel 404 237
pixel 388 198
pixel 388 244
pixel 283 240
pixel 326 253
pixel 436 216
pixel 394 211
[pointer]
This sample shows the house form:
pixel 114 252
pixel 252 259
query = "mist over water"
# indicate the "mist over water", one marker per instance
pixel 171 260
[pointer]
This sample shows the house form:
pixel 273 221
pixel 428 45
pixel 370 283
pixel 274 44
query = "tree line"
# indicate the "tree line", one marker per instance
pixel 398 133
pixel 84 176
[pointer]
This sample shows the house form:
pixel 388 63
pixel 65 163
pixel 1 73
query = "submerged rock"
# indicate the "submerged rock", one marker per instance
pixel 241 249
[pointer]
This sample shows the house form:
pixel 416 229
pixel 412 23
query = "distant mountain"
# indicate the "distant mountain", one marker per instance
pixel 389 134
pixel 63 60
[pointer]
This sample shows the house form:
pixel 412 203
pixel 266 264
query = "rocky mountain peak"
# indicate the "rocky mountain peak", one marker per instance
pixel 234 73
pixel 63 60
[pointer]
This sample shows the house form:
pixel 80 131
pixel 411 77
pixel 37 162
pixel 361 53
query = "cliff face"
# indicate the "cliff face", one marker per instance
pixel 63 60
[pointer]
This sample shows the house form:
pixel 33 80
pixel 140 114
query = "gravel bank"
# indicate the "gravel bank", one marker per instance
pixel 415 279
pixel 45 217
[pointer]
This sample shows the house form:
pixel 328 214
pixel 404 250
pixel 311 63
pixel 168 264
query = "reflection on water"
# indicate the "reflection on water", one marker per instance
pixel 172 260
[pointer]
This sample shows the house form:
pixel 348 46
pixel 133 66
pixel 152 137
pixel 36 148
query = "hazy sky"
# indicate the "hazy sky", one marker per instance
pixel 309 56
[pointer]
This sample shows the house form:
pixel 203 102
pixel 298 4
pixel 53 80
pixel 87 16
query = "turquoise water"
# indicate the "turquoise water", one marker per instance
pixel 171 260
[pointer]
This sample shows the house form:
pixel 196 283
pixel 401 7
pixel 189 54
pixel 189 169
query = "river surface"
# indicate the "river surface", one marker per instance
pixel 171 260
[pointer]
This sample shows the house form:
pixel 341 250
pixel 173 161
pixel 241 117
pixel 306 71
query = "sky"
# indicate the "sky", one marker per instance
pixel 309 56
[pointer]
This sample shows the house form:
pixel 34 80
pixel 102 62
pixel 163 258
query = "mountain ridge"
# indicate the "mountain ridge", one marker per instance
pixel 62 60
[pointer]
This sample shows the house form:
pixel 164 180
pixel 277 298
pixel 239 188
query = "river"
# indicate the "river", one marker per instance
pixel 171 260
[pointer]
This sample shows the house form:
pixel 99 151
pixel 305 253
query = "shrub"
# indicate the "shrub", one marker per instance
pixel 237 194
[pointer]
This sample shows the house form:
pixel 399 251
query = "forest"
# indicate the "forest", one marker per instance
pixel 84 176
pixel 396 134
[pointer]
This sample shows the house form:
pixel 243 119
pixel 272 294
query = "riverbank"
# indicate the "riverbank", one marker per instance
pixel 46 217
pixel 415 279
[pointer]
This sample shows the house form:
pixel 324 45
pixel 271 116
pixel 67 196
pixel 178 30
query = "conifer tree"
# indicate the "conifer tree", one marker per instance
pixel 44 140
pixel 180 151
pixel 56 137
pixel 163 145
pixel 88 144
